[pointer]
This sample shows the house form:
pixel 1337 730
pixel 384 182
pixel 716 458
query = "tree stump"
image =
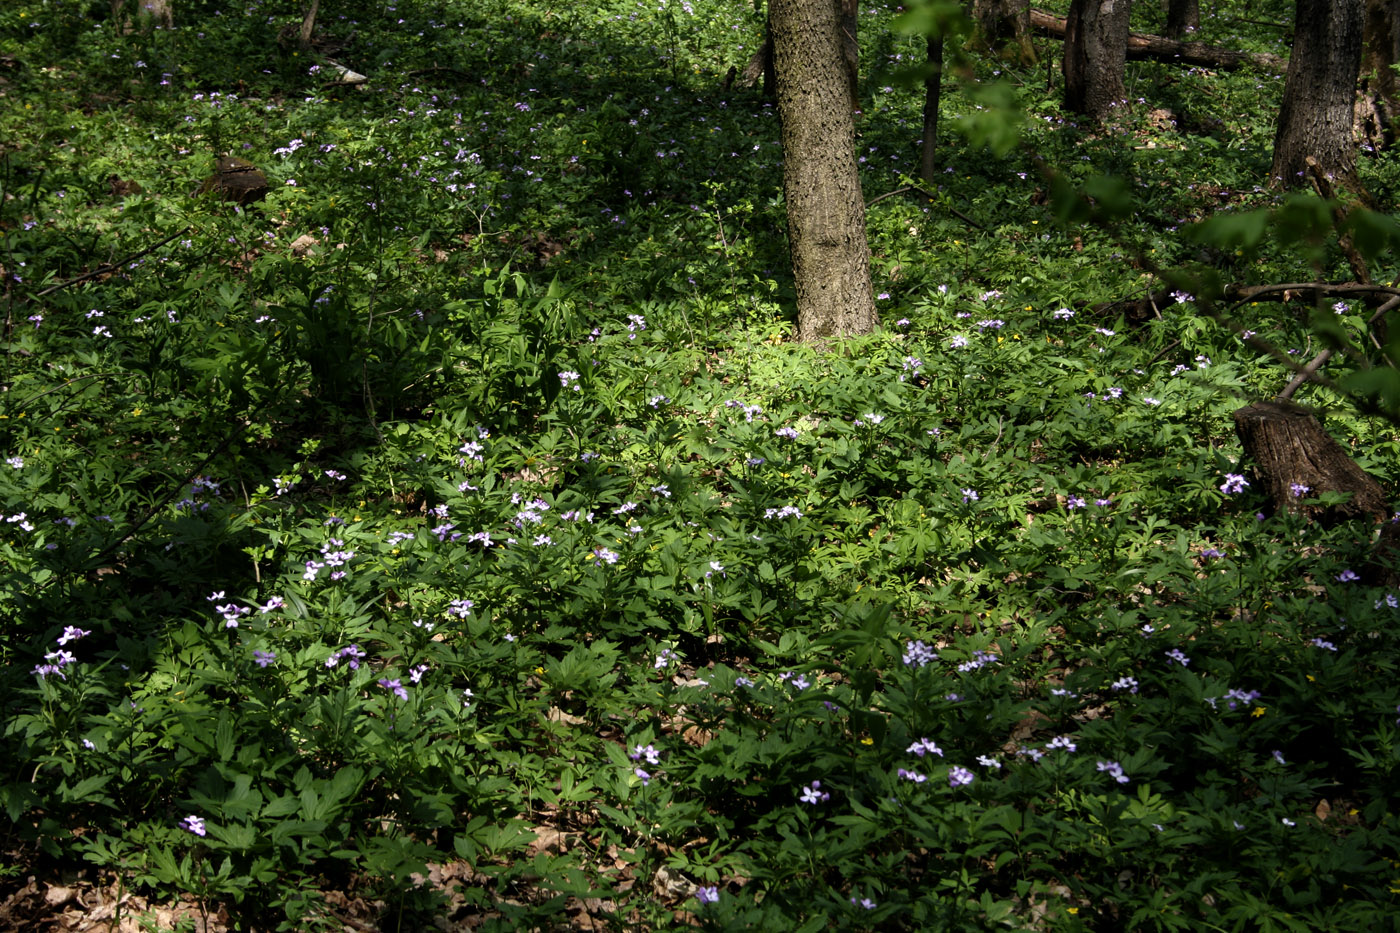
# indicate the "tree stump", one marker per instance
pixel 149 13
pixel 236 180
pixel 1290 450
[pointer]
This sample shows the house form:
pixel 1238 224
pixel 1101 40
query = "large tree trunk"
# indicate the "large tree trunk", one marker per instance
pixel 850 49
pixel 1183 18
pixel 1004 27
pixel 1096 46
pixel 825 207
pixel 933 93
pixel 1378 100
pixel 1319 96
pixel 1154 48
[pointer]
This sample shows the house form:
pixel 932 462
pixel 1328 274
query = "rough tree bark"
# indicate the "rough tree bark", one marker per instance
pixel 825 207
pixel 1096 47
pixel 1183 18
pixel 1378 100
pixel 1154 48
pixel 1291 450
pixel 1004 27
pixel 1319 95
pixel 850 49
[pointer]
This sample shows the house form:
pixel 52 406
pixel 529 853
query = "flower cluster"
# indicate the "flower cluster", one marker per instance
pixel 917 654
pixel 353 652
pixel 56 661
pixel 1234 483
pixel 979 660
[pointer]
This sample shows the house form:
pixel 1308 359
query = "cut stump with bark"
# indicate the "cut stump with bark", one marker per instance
pixel 1290 449
pixel 236 180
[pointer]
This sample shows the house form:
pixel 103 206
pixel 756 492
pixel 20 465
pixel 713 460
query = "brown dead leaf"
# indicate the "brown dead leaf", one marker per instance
pixel 548 839
pixel 302 244
pixel 556 714
pixel 671 885
pixel 1028 724
pixel 1322 811
pixel 697 736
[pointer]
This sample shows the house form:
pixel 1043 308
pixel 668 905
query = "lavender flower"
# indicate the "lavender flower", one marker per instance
pixel 649 752
pixel 813 793
pixel 924 747
pixel 72 633
pixel 1234 482
pixel 395 687
pixel 917 654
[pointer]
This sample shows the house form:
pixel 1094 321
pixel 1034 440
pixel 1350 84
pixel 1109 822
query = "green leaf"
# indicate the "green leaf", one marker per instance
pixel 225 740
pixel 236 835
pixel 1244 231
pixel 1372 233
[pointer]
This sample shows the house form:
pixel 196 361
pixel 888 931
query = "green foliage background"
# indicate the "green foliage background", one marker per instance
pixel 711 547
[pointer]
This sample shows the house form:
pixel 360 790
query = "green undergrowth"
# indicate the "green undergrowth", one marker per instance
pixel 464 503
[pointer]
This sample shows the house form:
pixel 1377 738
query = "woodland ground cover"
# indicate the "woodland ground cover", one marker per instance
pixel 491 554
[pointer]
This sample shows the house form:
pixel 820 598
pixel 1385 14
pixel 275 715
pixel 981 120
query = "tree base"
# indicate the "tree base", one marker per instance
pixel 1291 450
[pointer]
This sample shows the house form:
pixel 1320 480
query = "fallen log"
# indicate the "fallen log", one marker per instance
pixel 1142 47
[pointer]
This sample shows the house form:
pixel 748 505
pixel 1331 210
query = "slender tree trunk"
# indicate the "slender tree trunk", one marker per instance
pixel 1378 103
pixel 308 25
pixel 1096 47
pixel 1319 96
pixel 1183 18
pixel 933 92
pixel 825 206
pixel 1004 27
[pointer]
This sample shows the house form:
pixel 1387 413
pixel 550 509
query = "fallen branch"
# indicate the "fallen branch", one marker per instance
pixel 1143 47
pixel 1136 310
pixel 915 189
pixel 111 266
